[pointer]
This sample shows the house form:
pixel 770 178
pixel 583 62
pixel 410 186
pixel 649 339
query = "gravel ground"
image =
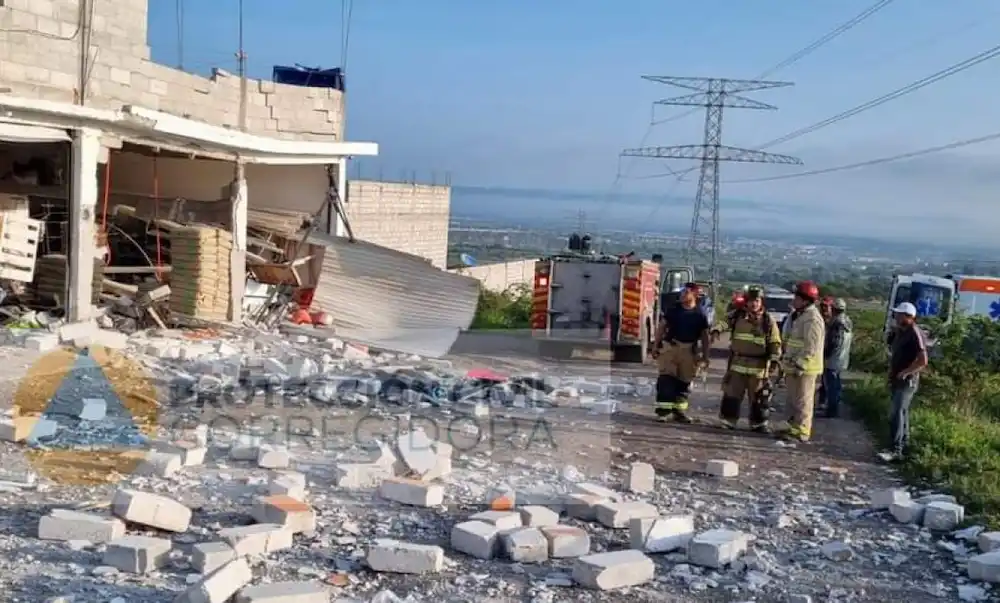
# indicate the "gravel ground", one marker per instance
pixel 791 500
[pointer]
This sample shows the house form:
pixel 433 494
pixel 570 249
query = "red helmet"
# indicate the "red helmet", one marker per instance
pixel 808 290
pixel 828 301
pixel 738 300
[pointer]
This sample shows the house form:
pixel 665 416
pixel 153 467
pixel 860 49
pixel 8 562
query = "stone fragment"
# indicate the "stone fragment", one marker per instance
pixel 412 492
pixel 206 557
pixel 943 516
pixel 538 516
pixel 617 515
pixel 584 506
pixel 661 534
pixel 837 551
pixel 717 548
pixel 525 545
pixel 883 499
pixel 137 554
pixel 641 478
pixel 418 452
pixel 475 538
pixel 160 464
pixel 722 468
pixel 566 541
pixel 387 555
pixel 151 510
pixel 220 585
pixel 503 520
pixel 289 483
pixel 985 567
pixel 907 511
pixel 989 542
pixel 66 525
pixel 617 569
pixel 273 457
pixel 258 539
pixel 284 592
pixel 361 475
pixel 285 511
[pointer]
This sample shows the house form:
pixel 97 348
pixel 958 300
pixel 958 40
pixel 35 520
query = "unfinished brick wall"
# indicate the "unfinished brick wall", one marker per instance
pixel 404 216
pixel 40 49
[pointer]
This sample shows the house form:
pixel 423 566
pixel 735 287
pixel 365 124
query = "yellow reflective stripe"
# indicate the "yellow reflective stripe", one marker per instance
pixel 682 406
pixel 750 337
pixel 795 343
pixel 747 370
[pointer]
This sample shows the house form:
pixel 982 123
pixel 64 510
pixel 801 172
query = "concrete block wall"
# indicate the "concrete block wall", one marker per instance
pixel 404 216
pixel 41 45
pixel 501 276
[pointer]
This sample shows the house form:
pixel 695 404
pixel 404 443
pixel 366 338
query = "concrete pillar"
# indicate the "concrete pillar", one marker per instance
pixel 86 152
pixel 238 256
pixel 339 228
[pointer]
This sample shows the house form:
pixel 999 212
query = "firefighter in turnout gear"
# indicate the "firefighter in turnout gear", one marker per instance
pixel 803 360
pixel 678 359
pixel 754 353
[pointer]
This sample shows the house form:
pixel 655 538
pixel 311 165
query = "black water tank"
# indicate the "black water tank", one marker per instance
pixel 574 242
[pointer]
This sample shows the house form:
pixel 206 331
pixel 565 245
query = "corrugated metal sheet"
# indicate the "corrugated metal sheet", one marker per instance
pixel 392 300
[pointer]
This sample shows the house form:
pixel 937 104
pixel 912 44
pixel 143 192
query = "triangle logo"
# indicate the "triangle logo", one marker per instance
pixel 89 415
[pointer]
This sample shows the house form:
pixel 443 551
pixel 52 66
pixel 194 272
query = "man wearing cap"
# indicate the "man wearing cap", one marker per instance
pixel 908 358
pixel 681 330
pixel 803 361
pixel 836 354
pixel 755 348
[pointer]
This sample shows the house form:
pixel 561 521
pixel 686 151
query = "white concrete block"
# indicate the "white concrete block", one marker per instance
pixel 387 555
pixel 137 554
pixel 641 478
pixel 584 506
pixel 361 475
pixel 206 557
pixel 65 525
pixel 943 516
pixel 160 464
pixel 273 457
pixel 618 515
pixel 284 592
pixel 412 492
pixel 220 585
pixel 151 510
pixel 989 542
pixel 661 534
pixel 598 491
pixel 286 511
pixel 503 520
pixel 722 468
pixel 610 571
pixel 289 483
pixel 537 516
pixel 191 453
pixel 717 548
pixel 43 342
pixel 258 539
pixel 525 545
pixel 475 538
pixel 907 511
pixel 985 567
pixel 566 541
pixel 883 499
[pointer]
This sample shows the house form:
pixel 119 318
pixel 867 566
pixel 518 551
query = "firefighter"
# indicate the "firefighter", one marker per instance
pixel 678 359
pixel 738 303
pixel 754 352
pixel 803 361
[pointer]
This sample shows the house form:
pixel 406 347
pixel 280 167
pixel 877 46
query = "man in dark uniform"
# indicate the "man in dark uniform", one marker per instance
pixel 678 359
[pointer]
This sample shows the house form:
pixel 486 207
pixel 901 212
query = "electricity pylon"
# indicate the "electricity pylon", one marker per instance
pixel 714 94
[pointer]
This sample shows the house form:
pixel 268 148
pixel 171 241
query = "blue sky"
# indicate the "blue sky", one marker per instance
pixel 545 95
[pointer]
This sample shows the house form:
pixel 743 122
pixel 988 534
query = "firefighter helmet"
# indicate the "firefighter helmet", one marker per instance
pixel 808 290
pixel 738 300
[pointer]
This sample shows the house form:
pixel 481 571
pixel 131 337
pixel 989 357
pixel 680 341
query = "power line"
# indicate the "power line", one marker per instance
pixel 346 15
pixel 179 10
pixel 885 98
pixel 889 159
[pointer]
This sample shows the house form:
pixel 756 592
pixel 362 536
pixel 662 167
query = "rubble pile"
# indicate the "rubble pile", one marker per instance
pixel 200 258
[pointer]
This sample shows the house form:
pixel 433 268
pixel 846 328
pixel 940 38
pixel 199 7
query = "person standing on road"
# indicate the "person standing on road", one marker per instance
pixel 680 331
pixel 826 310
pixel 754 352
pixel 836 355
pixel 803 361
pixel 908 359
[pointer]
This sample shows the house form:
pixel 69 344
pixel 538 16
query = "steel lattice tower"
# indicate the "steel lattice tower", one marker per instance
pixel 714 94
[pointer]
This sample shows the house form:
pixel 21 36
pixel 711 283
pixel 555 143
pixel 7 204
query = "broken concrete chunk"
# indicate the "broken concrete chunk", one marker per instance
pixel 717 548
pixel 387 555
pixel 907 511
pixel 943 516
pixel 190 453
pixel 837 551
pixel 412 492
pixel 525 545
pixel 883 499
pixel 617 569
pixel 988 542
pixel 475 538
pixel 246 447
pixel 566 541
pixel 361 475
pixel 137 554
pixel 207 557
pixel 722 468
pixel 284 592
pixel 151 510
pixel 929 498
pixel 220 585
pixel 597 490
pixel 160 464
pixel 257 539
pixel 617 515
pixel 584 506
pixel 503 520
pixel 641 478
pixel 417 451
pixel 985 567
pixel 65 525
pixel 273 457
pixel 537 516
pixel 661 534
pixel 285 511
pixel 289 483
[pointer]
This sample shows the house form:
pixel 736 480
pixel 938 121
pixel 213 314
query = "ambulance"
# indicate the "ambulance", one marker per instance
pixel 939 297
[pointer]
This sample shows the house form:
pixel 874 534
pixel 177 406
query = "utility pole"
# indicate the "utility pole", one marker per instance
pixel 237 257
pixel 581 217
pixel 714 94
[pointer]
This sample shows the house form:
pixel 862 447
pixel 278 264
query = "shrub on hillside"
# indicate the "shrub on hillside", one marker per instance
pixel 509 309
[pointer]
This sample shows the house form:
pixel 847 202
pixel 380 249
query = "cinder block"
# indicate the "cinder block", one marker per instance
pixel 151 510
pixel 258 539
pixel 273 457
pixel 65 525
pixel 220 585
pixel 190 453
pixel 160 464
pixel 617 569
pixel 503 520
pixel 617 515
pixel 285 511
pixel 284 592
pixel 567 541
pixel 137 554
pixel 475 538
pixel 289 483
pixel 538 516
pixel 209 556
pixel 361 475
pixel 412 492
pixel 387 555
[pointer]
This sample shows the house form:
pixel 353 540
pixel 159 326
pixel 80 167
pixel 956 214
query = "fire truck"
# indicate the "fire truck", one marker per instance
pixel 583 299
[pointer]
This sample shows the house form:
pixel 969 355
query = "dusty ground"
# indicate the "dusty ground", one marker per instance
pixel 781 497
